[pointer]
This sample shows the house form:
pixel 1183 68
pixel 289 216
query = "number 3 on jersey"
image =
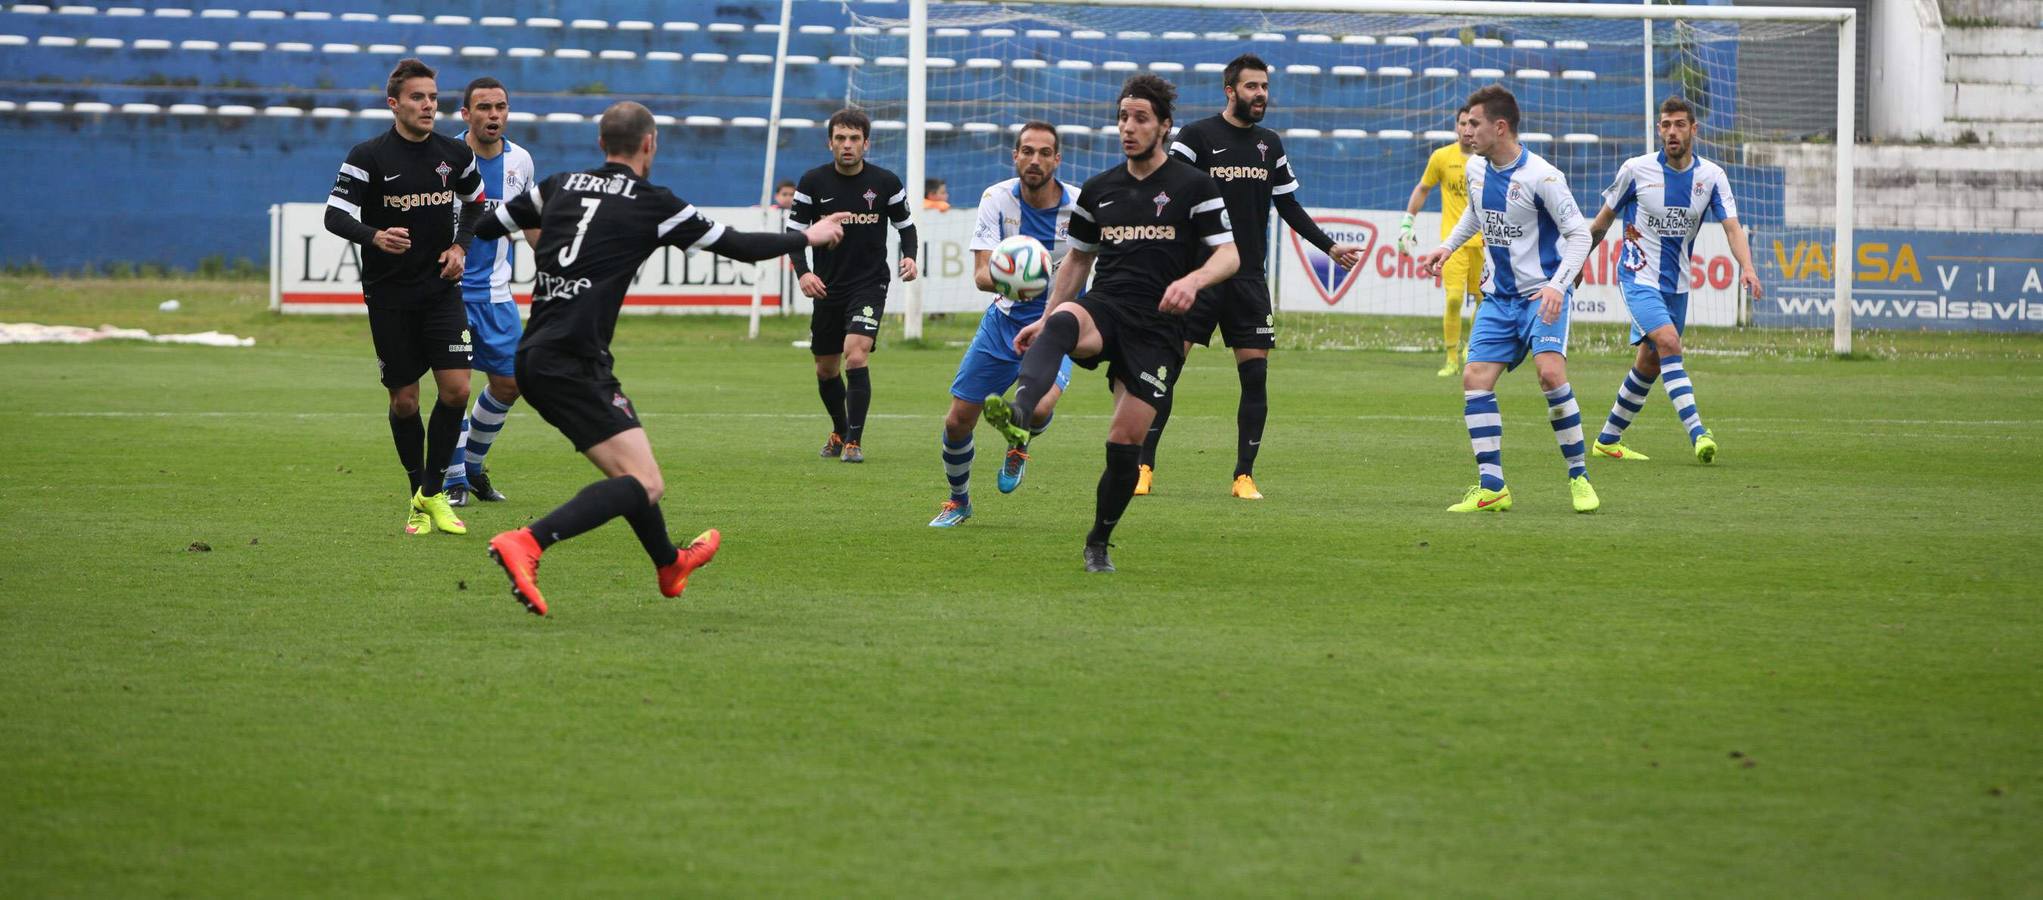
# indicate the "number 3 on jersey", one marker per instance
pixel 574 248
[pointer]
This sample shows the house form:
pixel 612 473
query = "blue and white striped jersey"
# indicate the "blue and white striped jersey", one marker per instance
pixel 488 275
pixel 1533 229
pixel 1663 209
pixel 1002 214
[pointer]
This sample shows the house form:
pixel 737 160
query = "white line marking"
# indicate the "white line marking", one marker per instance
pixel 1766 423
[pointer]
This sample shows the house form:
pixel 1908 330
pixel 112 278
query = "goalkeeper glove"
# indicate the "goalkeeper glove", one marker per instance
pixel 1406 240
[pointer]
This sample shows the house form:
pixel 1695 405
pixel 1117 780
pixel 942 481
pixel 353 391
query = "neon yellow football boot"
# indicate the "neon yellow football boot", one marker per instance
pixel 439 511
pixel 1001 415
pixel 1584 493
pixel 1618 451
pixel 1481 499
pixel 1706 448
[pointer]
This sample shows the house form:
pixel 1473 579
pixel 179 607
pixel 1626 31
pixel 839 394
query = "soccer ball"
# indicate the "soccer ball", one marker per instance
pixel 1021 268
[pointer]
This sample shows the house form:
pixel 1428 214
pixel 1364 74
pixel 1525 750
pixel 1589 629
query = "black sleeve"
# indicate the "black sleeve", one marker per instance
pixel 753 246
pixel 1083 234
pixel 468 187
pixel 514 214
pixel 904 222
pixel 471 216
pixel 682 225
pixel 1301 221
pixel 799 217
pixel 347 228
pixel 354 188
pixel 1186 147
pixel 911 242
pixel 1209 213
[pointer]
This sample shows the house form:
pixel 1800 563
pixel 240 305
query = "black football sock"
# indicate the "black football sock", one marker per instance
pixel 651 527
pixel 1254 411
pixel 409 433
pixel 1116 489
pixel 858 397
pixel 598 503
pixel 1155 436
pixel 443 433
pixel 1036 429
pixel 1039 366
pixel 832 390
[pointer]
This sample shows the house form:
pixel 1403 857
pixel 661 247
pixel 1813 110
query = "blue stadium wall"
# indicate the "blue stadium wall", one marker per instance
pixel 177 189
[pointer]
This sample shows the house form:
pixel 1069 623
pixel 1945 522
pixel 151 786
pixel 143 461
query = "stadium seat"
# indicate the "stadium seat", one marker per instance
pixel 567 61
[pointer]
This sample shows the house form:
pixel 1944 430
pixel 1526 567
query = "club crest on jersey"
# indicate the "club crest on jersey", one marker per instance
pixel 1515 192
pixel 1634 257
pixel 869 197
pixel 1162 200
pixel 1263 150
pixel 444 170
pixel 1328 279
pixel 619 401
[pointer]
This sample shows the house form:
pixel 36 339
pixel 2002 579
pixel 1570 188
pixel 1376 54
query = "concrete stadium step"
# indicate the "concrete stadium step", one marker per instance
pixel 2005 12
pixel 1998 134
pixel 1996 102
pixel 1995 69
pixel 1998 41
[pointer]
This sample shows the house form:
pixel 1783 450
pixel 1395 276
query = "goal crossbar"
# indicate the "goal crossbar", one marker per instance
pixel 1845 19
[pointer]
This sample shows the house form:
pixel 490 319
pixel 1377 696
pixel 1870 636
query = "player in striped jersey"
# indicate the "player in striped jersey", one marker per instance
pixel 486 290
pixel 1536 242
pixel 1664 198
pixel 1036 204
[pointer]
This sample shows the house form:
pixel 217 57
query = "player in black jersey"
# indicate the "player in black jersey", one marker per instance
pixel 1147 222
pixel 1249 163
pixel 411 198
pixel 849 283
pixel 596 229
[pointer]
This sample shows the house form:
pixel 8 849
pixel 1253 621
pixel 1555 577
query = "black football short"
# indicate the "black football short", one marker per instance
pixel 1240 307
pixel 835 317
pixel 420 333
pixel 575 394
pixel 1140 344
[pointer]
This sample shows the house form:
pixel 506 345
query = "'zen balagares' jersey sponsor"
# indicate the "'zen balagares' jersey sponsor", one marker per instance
pixel 1663 208
pixel 1533 231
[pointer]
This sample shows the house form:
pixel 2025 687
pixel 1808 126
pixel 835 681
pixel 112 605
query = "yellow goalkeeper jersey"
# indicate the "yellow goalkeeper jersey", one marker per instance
pixel 1448 170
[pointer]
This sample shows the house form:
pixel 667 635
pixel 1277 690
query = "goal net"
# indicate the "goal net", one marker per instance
pixel 1361 99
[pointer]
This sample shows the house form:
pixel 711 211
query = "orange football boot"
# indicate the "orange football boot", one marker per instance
pixel 518 552
pixel 698 553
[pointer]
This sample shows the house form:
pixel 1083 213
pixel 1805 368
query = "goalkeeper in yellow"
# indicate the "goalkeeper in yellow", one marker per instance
pixel 1463 276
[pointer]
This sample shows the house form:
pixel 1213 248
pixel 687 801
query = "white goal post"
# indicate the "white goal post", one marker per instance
pixel 917 74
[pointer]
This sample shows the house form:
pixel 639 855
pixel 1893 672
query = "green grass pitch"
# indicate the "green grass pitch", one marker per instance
pixel 1815 668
